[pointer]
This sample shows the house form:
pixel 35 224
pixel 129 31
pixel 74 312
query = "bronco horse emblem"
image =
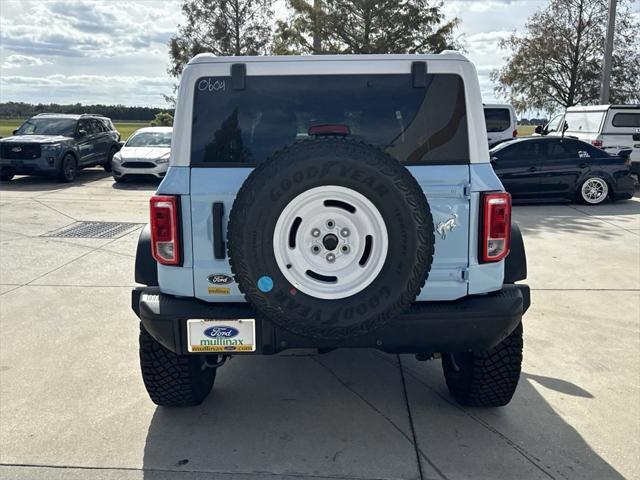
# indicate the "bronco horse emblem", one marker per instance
pixel 445 227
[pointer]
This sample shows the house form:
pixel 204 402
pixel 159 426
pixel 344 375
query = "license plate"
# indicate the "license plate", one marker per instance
pixel 221 335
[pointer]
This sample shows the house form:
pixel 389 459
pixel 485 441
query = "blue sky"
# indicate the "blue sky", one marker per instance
pixel 115 51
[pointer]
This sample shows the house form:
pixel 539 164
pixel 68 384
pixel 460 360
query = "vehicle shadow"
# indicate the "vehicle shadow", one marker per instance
pixel 27 183
pixel 279 416
pixel 138 184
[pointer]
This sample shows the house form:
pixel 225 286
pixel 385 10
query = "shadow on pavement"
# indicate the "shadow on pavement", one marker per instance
pixel 27 183
pixel 144 183
pixel 269 418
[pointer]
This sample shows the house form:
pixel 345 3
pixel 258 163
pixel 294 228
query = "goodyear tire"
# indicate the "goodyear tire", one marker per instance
pixel 485 379
pixel 173 380
pixel 330 238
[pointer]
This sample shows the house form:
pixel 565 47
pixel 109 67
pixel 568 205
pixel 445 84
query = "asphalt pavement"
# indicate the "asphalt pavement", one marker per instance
pixel 72 403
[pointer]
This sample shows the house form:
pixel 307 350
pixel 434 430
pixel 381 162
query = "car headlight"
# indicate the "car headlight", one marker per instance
pixel 117 157
pixel 164 158
pixel 50 147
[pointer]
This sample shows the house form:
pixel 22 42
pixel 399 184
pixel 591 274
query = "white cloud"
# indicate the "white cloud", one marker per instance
pixel 17 61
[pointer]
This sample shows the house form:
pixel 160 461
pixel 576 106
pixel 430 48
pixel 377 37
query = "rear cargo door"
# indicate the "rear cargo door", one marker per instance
pixel 422 124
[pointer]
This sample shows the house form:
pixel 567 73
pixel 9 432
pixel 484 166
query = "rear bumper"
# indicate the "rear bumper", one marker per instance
pixel 473 323
pixel 625 188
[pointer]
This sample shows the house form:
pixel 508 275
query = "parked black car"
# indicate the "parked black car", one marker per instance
pixel 56 144
pixel 557 168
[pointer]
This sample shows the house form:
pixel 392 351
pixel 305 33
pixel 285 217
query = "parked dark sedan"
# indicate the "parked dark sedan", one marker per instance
pixel 556 168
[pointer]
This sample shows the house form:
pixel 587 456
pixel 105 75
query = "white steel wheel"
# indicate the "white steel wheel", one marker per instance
pixel 594 190
pixel 330 242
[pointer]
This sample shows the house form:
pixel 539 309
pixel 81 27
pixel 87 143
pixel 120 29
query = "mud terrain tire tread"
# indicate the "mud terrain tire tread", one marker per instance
pixel 486 379
pixel 173 380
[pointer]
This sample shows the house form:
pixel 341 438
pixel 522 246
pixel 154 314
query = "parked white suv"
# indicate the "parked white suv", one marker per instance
pixel 501 123
pixel 608 127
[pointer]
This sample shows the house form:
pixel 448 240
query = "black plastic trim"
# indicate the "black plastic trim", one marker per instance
pixel 218 240
pixel 146 267
pixel 238 76
pixel 476 322
pixel 515 265
pixel 419 74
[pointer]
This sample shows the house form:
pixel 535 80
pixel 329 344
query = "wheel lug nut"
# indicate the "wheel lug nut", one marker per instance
pixel 345 249
pixel 315 249
pixel 315 232
pixel 345 232
pixel 331 257
pixel 331 224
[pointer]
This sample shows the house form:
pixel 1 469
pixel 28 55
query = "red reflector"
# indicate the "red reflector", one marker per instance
pixel 515 133
pixel 331 129
pixel 496 226
pixel 165 234
pixel 596 143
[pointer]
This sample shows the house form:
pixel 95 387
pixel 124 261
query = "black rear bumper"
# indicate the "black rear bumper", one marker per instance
pixel 473 323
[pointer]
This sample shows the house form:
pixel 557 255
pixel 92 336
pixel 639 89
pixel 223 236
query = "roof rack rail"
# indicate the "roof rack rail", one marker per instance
pixel 91 115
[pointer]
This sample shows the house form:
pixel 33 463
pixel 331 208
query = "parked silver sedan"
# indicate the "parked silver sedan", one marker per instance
pixel 146 153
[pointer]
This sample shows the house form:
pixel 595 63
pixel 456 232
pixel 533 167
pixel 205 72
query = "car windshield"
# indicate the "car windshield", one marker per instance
pixel 48 126
pixel 425 125
pixel 497 119
pixel 150 139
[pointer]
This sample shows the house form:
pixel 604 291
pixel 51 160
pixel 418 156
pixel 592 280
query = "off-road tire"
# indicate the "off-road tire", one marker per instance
pixel 173 380
pixel 345 163
pixel 68 168
pixel 485 379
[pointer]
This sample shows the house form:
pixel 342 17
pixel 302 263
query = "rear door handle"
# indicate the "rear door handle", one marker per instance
pixel 218 241
pixel 583 165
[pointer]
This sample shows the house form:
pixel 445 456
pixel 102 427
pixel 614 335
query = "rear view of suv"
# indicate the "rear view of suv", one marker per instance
pixel 501 123
pixel 59 145
pixel 330 202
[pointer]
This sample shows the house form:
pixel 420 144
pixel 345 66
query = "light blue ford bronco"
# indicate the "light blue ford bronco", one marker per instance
pixel 328 202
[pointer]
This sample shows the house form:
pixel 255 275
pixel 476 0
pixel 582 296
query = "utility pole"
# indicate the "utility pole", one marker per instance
pixel 608 54
pixel 317 11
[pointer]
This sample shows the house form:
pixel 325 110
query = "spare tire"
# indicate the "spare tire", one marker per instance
pixel 330 238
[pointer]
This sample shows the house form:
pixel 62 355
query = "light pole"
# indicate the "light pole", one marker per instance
pixel 608 54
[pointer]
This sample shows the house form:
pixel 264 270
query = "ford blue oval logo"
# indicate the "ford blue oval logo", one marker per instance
pixel 221 331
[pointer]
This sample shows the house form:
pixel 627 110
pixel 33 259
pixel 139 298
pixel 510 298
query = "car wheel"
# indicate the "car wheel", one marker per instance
pixel 173 380
pixel 68 168
pixel 593 191
pixel 330 238
pixel 107 166
pixel 6 177
pixel 485 379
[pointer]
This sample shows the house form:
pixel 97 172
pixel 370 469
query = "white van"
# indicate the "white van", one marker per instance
pixel 608 127
pixel 501 123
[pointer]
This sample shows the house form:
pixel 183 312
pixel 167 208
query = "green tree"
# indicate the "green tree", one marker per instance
pixel 222 27
pixel 364 26
pixel 162 119
pixel 557 60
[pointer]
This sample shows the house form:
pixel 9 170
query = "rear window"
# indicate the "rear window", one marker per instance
pixel 415 125
pixel 626 120
pixel 497 119
pixel 586 122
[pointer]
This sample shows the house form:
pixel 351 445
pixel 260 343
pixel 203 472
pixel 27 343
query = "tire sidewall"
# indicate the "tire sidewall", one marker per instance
pixel 363 169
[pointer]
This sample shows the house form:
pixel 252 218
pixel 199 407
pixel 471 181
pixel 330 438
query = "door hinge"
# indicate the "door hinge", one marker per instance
pixel 464 273
pixel 466 191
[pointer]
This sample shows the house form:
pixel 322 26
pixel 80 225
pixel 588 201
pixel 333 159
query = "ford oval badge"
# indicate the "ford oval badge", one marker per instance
pixel 220 279
pixel 221 332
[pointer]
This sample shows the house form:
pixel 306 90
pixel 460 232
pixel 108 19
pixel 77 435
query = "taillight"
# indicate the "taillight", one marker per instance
pixel 515 133
pixel 165 230
pixel 496 226
pixel 596 143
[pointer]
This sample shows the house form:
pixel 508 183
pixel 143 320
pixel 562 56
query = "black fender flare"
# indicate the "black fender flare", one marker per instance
pixel 515 265
pixel 146 268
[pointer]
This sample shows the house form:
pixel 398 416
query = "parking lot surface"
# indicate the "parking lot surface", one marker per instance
pixel 72 403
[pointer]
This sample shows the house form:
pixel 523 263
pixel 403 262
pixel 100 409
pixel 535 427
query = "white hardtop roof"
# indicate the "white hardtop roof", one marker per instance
pixel 211 58
pixel 599 108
